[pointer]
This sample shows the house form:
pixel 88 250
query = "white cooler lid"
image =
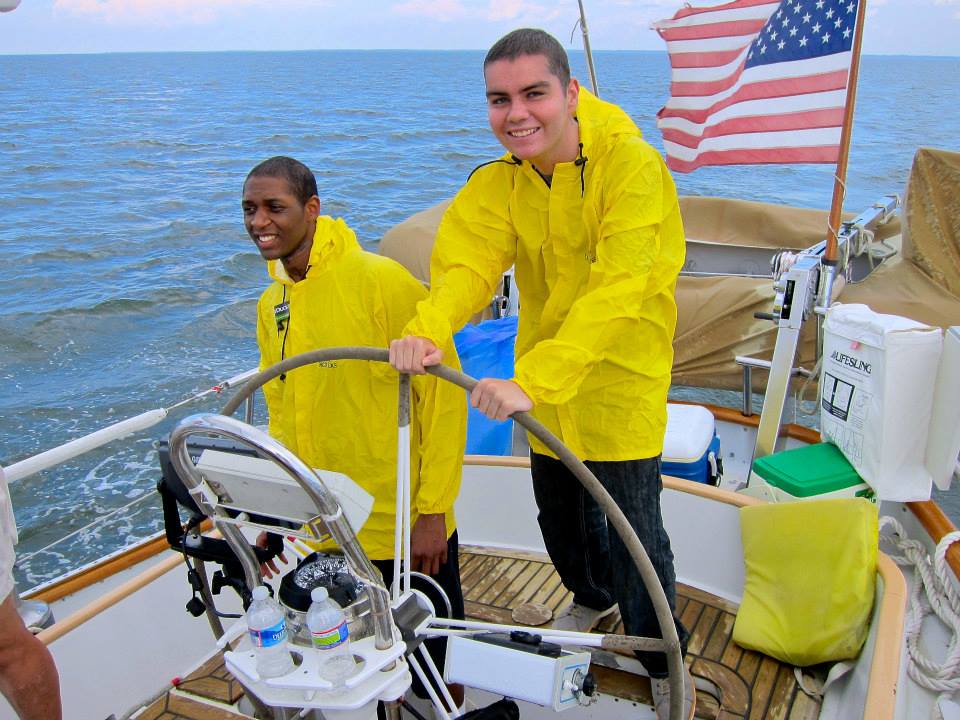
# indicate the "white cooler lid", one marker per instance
pixel 690 430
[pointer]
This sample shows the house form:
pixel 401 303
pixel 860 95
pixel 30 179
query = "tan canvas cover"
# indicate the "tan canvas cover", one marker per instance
pixel 716 314
pixel 411 242
pixel 931 210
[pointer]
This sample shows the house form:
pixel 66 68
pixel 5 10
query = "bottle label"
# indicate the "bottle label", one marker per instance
pixel 268 637
pixel 329 639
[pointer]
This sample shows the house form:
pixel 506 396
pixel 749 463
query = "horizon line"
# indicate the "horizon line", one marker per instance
pixel 388 49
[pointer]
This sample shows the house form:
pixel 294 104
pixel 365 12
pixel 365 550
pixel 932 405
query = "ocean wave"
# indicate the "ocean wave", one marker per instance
pixel 65 255
pixel 145 304
pixel 149 143
pixel 360 112
pixel 436 133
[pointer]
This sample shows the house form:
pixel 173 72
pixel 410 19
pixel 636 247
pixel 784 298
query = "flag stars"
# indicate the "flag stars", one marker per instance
pixel 790 36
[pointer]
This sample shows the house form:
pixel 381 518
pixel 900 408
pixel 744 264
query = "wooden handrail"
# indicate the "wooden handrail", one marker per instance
pixel 931 517
pixel 71 622
pixel 885 667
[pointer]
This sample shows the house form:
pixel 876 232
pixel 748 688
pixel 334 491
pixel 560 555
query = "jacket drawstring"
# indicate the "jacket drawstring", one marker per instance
pixel 513 159
pixel 283 343
pixel 581 162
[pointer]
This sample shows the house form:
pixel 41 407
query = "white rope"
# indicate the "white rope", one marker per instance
pixel 933 592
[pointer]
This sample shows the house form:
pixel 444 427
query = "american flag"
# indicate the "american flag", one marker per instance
pixel 755 81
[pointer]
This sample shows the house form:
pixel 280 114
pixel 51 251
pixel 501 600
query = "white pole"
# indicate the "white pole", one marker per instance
pixel 586 49
pixel 69 450
pixel 407 560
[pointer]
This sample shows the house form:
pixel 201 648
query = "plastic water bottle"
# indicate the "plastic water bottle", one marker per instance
pixel 268 633
pixel 328 628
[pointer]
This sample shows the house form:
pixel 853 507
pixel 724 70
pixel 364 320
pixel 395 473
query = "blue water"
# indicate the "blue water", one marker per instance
pixel 129 282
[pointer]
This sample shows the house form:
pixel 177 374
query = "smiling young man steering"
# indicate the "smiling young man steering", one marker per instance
pixel 342 415
pixel 588 214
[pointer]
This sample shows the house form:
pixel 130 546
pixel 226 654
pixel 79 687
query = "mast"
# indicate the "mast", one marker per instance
pixel 586 49
pixel 839 186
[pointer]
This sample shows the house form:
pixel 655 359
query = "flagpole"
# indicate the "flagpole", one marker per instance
pixel 839 186
pixel 586 48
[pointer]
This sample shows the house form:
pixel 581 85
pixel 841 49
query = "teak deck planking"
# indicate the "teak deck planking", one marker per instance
pixel 736 684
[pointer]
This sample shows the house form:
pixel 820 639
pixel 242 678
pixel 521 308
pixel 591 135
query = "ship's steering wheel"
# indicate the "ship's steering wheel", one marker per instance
pixel 670 643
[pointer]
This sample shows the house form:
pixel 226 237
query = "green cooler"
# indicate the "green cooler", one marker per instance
pixel 814 471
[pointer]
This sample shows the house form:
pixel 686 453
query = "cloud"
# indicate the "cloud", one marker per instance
pixel 439 10
pixel 137 12
pixel 163 12
pixel 494 11
pixel 511 9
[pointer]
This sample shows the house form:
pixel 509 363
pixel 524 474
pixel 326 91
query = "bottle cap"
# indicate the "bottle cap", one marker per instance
pixel 319 594
pixel 261 592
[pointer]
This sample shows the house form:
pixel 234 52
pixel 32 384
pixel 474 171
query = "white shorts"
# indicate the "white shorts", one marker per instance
pixel 8 538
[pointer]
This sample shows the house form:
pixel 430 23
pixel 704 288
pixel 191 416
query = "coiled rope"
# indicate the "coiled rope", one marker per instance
pixel 933 592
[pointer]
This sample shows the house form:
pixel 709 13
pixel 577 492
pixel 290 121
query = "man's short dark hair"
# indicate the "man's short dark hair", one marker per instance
pixel 302 182
pixel 530 41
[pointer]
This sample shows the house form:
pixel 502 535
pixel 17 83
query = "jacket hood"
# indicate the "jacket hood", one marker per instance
pixel 332 239
pixel 601 124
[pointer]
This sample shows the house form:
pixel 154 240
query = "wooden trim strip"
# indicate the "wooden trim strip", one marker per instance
pixel 709 492
pixel 514 461
pixel 102 570
pixel 108 567
pixel 735 417
pixel 885 666
pixel 937 525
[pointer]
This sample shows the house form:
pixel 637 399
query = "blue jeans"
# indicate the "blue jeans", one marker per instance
pixel 593 563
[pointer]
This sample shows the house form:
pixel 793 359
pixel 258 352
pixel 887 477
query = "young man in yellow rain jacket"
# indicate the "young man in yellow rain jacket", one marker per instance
pixel 588 214
pixel 342 415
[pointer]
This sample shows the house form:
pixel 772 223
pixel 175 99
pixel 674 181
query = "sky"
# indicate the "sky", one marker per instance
pixel 899 27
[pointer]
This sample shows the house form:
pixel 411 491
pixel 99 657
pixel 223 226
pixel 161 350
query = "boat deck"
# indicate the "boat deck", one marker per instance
pixel 733 683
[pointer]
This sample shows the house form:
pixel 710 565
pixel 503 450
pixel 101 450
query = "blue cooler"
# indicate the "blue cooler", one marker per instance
pixel 486 350
pixel 691 448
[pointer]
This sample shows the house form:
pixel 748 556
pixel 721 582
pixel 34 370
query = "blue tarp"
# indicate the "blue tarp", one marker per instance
pixel 486 350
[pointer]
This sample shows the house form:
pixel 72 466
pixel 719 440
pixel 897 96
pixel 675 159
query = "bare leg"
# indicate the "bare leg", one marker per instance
pixel 28 677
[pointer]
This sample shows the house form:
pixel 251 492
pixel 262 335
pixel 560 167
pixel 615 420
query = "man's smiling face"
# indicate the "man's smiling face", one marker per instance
pixel 530 111
pixel 280 226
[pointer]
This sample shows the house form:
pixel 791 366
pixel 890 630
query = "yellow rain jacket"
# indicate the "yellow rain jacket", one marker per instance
pixel 342 416
pixel 597 255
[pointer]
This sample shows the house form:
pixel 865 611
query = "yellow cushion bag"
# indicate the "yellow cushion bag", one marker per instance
pixel 810 579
